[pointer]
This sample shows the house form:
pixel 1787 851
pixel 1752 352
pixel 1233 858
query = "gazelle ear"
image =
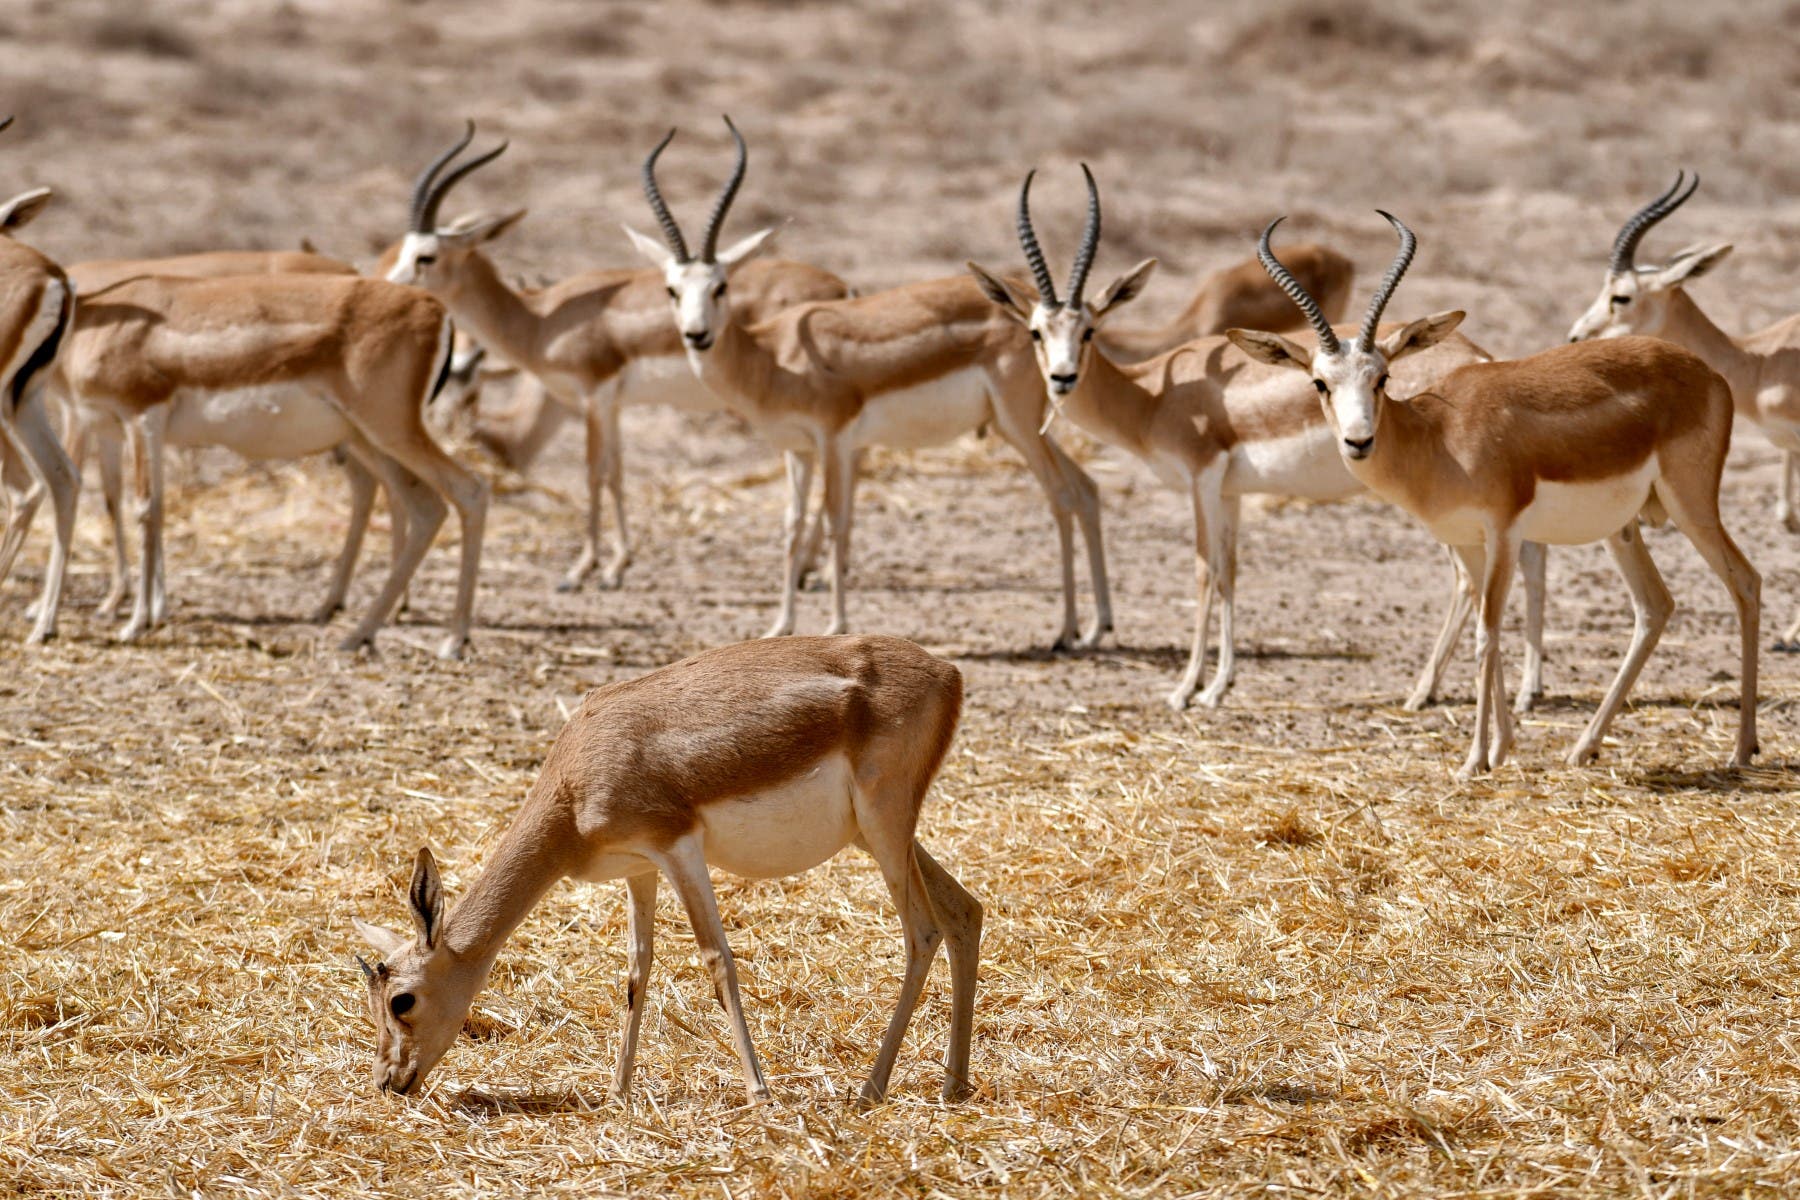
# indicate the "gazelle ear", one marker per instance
pixel 426 895
pixel 1271 348
pixel 1421 334
pixel 1125 288
pixel 1692 263
pixel 742 251
pixel 649 247
pixel 23 208
pixel 386 942
pixel 472 229
pixel 1015 299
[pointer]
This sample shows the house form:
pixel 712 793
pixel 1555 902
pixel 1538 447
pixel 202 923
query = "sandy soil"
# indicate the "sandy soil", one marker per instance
pixel 190 823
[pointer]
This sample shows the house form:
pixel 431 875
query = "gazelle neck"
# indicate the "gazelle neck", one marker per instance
pixel 498 316
pixel 1407 444
pixel 1693 330
pixel 533 855
pixel 1110 404
pixel 738 368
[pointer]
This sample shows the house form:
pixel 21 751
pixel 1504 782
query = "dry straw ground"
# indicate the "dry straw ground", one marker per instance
pixel 1272 949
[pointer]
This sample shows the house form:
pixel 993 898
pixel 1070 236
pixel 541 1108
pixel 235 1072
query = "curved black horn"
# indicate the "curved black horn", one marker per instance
pixel 421 194
pixel 5 123
pixel 1034 254
pixel 652 193
pixel 1402 260
pixel 1090 242
pixel 455 177
pixel 1284 279
pixel 367 970
pixel 1625 245
pixel 709 243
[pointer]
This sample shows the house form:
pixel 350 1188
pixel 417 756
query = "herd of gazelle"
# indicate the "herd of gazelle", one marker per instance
pixel 767 758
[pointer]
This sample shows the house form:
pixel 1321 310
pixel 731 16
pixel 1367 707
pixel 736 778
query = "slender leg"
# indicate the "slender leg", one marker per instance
pixel 42 451
pixel 959 914
pixel 840 506
pixel 1462 603
pixel 1651 605
pixel 1787 509
pixel 362 501
pixel 1533 558
pixel 1087 513
pixel 612 574
pixel 1058 490
pixel 112 489
pixel 1493 565
pixel 685 865
pixel 799 473
pixel 601 411
pixel 24 494
pixel 810 576
pixel 425 512
pixel 1207 522
pixel 640 892
pixel 144 444
pixel 1226 583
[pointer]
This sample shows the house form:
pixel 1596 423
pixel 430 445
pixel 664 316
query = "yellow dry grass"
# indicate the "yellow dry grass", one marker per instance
pixel 1212 964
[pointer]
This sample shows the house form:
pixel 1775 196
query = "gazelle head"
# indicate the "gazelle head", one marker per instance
pixel 428 256
pixel 1062 331
pixel 19 212
pixel 1636 299
pixel 1351 379
pixel 698 284
pixel 420 991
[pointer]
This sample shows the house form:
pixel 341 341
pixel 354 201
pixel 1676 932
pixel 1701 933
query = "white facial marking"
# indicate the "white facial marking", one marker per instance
pixel 1060 336
pixel 417 252
pixel 698 292
pixel 1353 379
pixel 1627 304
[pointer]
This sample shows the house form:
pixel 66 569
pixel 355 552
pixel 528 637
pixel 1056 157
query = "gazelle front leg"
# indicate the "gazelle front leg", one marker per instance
pixel 1533 561
pixel 1462 603
pixel 685 865
pixel 1492 564
pixel 640 891
pixel 1651 607
pixel 840 507
pixel 144 446
pixel 605 484
pixel 1787 508
pixel 44 459
pixel 1207 522
pixel 799 473
pixel 1086 508
pixel 1226 583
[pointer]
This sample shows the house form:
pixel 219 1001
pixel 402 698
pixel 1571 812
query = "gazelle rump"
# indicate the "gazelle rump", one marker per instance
pixel 1208 423
pixel 1564 447
pixel 279 366
pixel 37 305
pixel 597 341
pixel 764 758
pixel 1763 368
pixel 908 367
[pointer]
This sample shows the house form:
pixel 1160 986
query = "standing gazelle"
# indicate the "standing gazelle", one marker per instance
pixel 908 367
pixel 764 758
pixel 36 305
pixel 598 341
pixel 1208 424
pixel 1762 368
pixel 1564 447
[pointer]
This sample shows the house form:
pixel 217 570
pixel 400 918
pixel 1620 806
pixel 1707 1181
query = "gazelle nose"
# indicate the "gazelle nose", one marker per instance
pixel 700 340
pixel 1359 447
pixel 1064 382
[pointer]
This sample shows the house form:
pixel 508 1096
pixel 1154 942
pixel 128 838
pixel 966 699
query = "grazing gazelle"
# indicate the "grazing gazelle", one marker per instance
pixel 908 367
pixel 763 758
pixel 1564 447
pixel 1207 423
pixel 36 304
pixel 1762 368
pixel 598 342
pixel 279 367
pixel 1240 296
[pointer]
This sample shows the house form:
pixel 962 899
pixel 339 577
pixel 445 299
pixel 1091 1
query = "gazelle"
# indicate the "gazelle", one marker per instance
pixel 763 758
pixel 36 308
pixel 909 367
pixel 279 366
pixel 1241 296
pixel 1207 423
pixel 1564 447
pixel 1762 368
pixel 598 341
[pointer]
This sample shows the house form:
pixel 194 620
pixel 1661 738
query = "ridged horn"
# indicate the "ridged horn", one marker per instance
pixel 1624 251
pixel 1284 279
pixel 1090 241
pixel 1365 338
pixel 462 171
pixel 1034 254
pixel 709 242
pixel 421 194
pixel 652 193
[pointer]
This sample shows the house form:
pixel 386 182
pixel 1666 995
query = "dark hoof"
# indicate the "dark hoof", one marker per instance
pixel 1783 646
pixel 567 585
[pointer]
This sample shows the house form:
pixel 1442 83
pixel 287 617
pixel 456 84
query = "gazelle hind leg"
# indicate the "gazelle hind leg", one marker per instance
pixel 1700 522
pixel 685 864
pixel 1787 508
pixel 1207 522
pixel 640 892
pixel 840 504
pixel 1226 583
pixel 793 529
pixel 1533 560
pixel 362 502
pixel 108 449
pixel 887 823
pixel 144 444
pixel 1462 603
pixel 1086 506
pixel 959 915
pixel 1651 607
pixel 24 495
pixel 425 511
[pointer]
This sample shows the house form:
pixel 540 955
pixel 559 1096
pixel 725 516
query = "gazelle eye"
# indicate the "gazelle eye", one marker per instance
pixel 425 260
pixel 719 292
pixel 1036 336
pixel 1320 385
pixel 672 294
pixel 1087 335
pixel 1621 301
pixel 402 1004
pixel 1381 384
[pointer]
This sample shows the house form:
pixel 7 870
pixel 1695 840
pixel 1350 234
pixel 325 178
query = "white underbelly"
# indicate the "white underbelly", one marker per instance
pixel 275 421
pixel 785 829
pixel 1306 466
pixel 666 379
pixel 1568 514
pixel 937 411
